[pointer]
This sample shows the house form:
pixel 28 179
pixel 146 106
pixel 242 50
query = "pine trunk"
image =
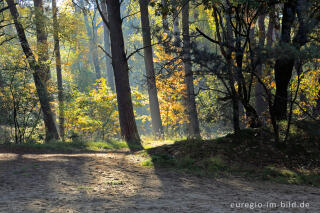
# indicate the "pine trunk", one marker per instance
pixel 191 103
pixel 128 125
pixel 149 66
pixel 106 37
pixel 58 67
pixel 259 90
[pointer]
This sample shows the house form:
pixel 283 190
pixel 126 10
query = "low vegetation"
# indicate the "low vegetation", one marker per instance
pixel 252 155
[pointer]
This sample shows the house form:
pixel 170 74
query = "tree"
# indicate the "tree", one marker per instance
pixel 42 40
pixel 128 125
pixel 259 91
pixel 191 103
pixel 106 37
pixel 58 66
pixel 51 130
pixel 176 28
pixel 151 80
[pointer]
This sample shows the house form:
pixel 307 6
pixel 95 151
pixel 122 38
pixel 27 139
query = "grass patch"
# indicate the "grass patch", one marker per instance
pixel 84 187
pixel 111 144
pixel 115 182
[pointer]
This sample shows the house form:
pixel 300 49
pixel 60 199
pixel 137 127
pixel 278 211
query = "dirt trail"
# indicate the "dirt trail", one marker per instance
pixel 114 182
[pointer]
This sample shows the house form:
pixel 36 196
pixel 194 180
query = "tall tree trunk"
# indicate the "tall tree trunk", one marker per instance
pixel 284 64
pixel 148 60
pixel 92 33
pixel 191 103
pixel 176 29
pixel 271 27
pixel 128 125
pixel 106 37
pixel 229 41
pixel 165 23
pixel 58 67
pixel 259 90
pixel 51 130
pixel 42 40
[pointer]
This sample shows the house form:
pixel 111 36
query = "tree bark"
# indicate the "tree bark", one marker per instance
pixel 165 23
pixel 58 67
pixel 106 37
pixel 51 130
pixel 271 27
pixel 191 103
pixel 42 40
pixel 148 60
pixel 176 29
pixel 128 125
pixel 229 41
pixel 259 90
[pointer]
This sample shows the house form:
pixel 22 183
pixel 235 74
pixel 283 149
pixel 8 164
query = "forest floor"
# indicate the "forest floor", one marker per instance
pixel 116 181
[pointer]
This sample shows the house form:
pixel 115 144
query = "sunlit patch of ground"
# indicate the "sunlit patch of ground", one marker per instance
pixel 115 182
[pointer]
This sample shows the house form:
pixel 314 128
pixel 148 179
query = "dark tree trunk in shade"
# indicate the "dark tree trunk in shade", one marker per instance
pixel 58 67
pixel 271 27
pixel 191 103
pixel 229 41
pixel 128 125
pixel 51 130
pixel 259 90
pixel 106 37
pixel 149 66
pixel 176 28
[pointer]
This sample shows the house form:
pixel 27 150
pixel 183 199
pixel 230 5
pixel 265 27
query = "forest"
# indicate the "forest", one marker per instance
pixel 108 104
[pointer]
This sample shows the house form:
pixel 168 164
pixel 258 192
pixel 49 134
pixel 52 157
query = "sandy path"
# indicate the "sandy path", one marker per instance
pixel 114 182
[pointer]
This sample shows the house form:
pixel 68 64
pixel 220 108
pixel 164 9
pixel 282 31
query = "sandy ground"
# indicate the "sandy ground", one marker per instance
pixel 115 182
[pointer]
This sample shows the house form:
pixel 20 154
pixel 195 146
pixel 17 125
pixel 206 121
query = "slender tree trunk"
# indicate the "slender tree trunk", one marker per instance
pixel 148 60
pixel 235 98
pixel 51 130
pixel 191 103
pixel 165 23
pixel 58 67
pixel 42 40
pixel 176 28
pixel 271 27
pixel 259 90
pixel 106 36
pixel 165 26
pixel 128 125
